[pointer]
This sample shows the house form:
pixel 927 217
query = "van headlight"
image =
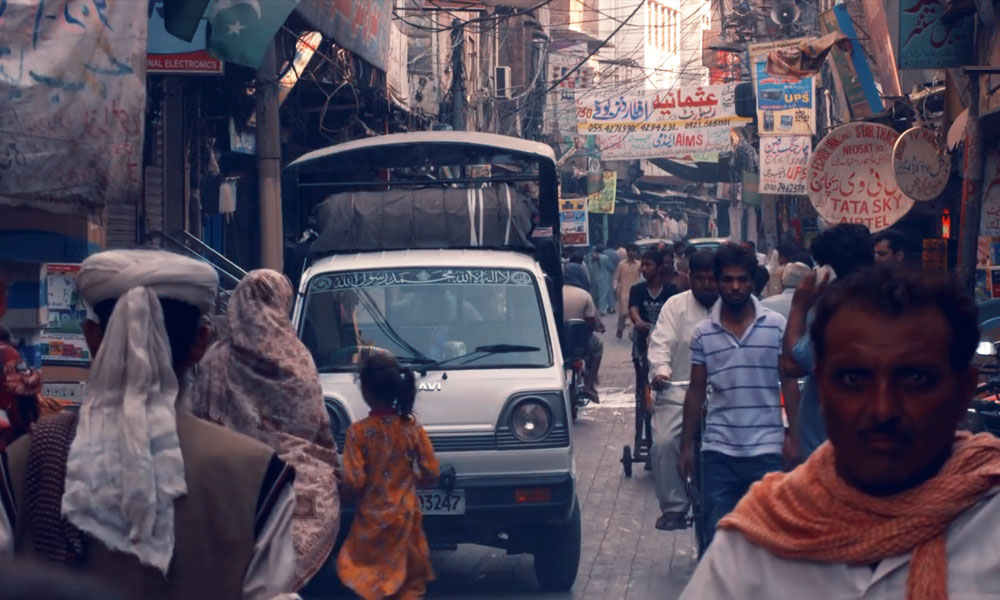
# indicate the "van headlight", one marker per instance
pixel 531 420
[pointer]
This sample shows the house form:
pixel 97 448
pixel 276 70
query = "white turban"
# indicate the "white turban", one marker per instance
pixel 125 466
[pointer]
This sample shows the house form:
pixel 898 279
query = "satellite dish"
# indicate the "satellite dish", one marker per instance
pixel 785 13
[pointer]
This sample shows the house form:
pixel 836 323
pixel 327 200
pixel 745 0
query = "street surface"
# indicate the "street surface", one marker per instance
pixel 624 556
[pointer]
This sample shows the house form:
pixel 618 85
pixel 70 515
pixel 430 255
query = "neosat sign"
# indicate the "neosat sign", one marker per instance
pixel 851 179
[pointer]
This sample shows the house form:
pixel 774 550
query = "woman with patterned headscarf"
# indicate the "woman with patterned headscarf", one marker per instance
pixel 260 380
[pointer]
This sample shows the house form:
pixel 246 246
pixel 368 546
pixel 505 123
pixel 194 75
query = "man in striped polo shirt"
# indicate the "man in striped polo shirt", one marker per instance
pixel 736 351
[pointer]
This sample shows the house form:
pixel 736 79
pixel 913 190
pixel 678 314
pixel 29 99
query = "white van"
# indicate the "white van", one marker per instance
pixel 480 325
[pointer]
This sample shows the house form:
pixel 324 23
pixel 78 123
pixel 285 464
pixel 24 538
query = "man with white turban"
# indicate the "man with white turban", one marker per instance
pixel 133 491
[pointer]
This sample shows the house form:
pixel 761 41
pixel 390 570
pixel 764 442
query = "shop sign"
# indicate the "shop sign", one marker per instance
pixel 649 111
pixel 990 224
pixel 166 53
pixel 920 164
pixel 361 26
pixel 62 340
pixel 928 41
pixel 690 142
pixel 603 201
pixel 785 106
pixel 573 227
pixel 850 177
pixel 783 163
pixel 854 76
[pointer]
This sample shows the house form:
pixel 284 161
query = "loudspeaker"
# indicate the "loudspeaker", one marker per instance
pixel 785 13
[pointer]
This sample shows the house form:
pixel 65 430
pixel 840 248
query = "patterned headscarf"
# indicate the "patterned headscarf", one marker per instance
pixel 261 381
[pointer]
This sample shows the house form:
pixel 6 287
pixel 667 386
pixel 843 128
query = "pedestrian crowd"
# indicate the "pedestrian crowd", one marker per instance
pixel 202 456
pixel 201 462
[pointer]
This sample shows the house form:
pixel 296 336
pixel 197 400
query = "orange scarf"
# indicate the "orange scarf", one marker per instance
pixel 811 514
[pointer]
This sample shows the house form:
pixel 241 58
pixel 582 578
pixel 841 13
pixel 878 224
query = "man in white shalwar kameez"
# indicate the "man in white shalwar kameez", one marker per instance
pixel 669 357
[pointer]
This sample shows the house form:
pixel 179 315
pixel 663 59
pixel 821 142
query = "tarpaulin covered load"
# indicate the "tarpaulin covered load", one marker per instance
pixel 424 218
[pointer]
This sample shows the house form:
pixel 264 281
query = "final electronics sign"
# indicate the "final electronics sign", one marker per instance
pixel 168 54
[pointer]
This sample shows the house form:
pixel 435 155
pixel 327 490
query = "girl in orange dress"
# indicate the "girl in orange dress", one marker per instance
pixel 386 457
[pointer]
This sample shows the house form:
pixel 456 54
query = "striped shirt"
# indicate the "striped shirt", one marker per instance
pixel 744 409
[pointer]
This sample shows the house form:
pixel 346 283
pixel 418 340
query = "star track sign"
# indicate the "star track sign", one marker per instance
pixel 166 53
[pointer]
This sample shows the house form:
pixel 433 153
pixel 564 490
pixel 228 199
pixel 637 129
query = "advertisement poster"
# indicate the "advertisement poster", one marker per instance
pixel 930 42
pixel 62 339
pixel 785 106
pixel 850 178
pixel 688 142
pixel 921 165
pixel 603 202
pixel 853 74
pixel 783 163
pixel 573 222
pixel 560 103
pixel 990 223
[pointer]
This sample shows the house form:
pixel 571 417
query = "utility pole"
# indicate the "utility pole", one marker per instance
pixel 269 163
pixel 457 75
pixel 972 184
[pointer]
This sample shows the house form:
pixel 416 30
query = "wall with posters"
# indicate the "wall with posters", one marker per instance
pixel 74 98
pixel 783 164
pixel 573 225
pixel 784 106
pixel 62 341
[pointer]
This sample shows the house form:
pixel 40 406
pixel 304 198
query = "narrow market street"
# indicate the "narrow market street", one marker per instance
pixel 624 556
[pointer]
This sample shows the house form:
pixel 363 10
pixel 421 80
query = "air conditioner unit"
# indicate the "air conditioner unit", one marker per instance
pixel 501 78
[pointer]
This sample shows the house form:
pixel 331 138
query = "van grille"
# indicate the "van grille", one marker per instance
pixel 557 438
pixel 464 443
pixel 504 439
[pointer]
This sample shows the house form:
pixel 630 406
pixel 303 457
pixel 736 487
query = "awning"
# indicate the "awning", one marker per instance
pixel 702 172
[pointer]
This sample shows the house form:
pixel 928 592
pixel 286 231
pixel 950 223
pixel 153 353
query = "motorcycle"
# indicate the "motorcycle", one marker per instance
pixel 984 410
pixel 578 342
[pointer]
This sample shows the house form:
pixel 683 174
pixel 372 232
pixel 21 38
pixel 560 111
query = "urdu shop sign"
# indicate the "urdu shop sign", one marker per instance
pixel 851 180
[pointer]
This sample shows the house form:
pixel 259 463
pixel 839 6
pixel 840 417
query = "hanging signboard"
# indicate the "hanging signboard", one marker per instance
pixel 361 26
pixel 854 76
pixel 783 163
pixel 690 142
pixel 785 106
pixel 560 103
pixel 850 177
pixel 927 41
pixel 990 224
pixel 648 111
pixel 920 164
pixel 603 202
pixel 573 227
pixel 62 340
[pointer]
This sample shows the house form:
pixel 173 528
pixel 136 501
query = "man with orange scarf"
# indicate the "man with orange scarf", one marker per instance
pixel 896 504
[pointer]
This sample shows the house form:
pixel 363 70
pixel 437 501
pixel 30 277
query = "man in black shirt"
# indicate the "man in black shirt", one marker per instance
pixel 645 300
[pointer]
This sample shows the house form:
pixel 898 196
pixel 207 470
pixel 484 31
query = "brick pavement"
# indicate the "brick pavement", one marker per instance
pixel 624 556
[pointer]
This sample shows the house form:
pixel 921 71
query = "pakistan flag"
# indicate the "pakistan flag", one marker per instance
pixel 242 29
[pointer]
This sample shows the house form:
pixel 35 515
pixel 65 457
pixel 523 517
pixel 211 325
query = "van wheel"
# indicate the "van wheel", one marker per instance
pixel 557 553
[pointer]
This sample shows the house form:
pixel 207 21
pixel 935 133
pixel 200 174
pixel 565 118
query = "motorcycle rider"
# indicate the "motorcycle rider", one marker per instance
pixel 579 304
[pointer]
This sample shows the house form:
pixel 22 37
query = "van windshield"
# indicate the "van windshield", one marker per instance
pixel 424 315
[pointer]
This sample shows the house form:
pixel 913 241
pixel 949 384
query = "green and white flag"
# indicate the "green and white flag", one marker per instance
pixel 242 29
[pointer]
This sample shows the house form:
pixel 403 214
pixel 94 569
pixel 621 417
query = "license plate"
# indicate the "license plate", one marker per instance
pixel 440 502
